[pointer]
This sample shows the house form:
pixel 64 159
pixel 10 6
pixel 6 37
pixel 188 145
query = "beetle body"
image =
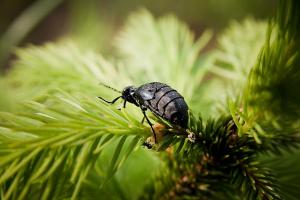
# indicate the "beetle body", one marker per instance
pixel 162 100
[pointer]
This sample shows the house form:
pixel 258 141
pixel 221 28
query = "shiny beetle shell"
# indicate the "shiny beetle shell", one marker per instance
pixel 159 98
pixel 164 102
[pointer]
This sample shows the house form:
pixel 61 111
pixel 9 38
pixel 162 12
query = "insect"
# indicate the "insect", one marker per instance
pixel 162 100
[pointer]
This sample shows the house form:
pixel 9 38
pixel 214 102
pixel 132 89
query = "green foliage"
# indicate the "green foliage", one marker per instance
pixel 238 48
pixel 70 131
pixel 59 119
pixel 168 50
pixel 58 141
pixel 272 84
pixel 219 164
pixel 287 171
pixel 61 66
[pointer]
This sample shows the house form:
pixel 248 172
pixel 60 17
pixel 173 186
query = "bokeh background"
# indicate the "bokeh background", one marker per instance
pixel 94 23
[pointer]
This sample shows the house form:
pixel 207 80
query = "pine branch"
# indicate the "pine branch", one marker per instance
pixel 216 163
pixel 54 144
pixel 64 124
pixel 68 140
pixel 236 53
pixel 63 66
pixel 251 175
pixel 238 47
pixel 287 171
pixel 222 155
pixel 169 50
pixel 271 94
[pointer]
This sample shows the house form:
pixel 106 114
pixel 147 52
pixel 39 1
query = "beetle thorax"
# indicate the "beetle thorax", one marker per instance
pixel 128 94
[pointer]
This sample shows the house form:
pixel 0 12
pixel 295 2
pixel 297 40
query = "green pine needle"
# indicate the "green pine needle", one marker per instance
pixel 59 141
pixel 270 95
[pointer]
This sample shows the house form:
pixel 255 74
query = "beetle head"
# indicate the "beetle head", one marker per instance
pixel 128 94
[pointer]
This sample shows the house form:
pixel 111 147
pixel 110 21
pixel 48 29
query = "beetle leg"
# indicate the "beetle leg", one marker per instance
pixel 145 116
pixel 110 102
pixel 124 104
pixel 143 120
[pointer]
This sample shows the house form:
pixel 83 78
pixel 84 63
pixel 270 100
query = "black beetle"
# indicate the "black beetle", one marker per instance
pixel 159 98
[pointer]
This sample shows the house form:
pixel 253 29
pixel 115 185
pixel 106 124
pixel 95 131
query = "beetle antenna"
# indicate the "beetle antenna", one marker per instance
pixel 110 102
pixel 110 88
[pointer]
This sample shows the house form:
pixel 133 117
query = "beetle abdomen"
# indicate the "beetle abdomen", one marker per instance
pixel 176 111
pixel 165 102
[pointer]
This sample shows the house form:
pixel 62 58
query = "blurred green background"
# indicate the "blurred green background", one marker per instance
pixel 94 23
